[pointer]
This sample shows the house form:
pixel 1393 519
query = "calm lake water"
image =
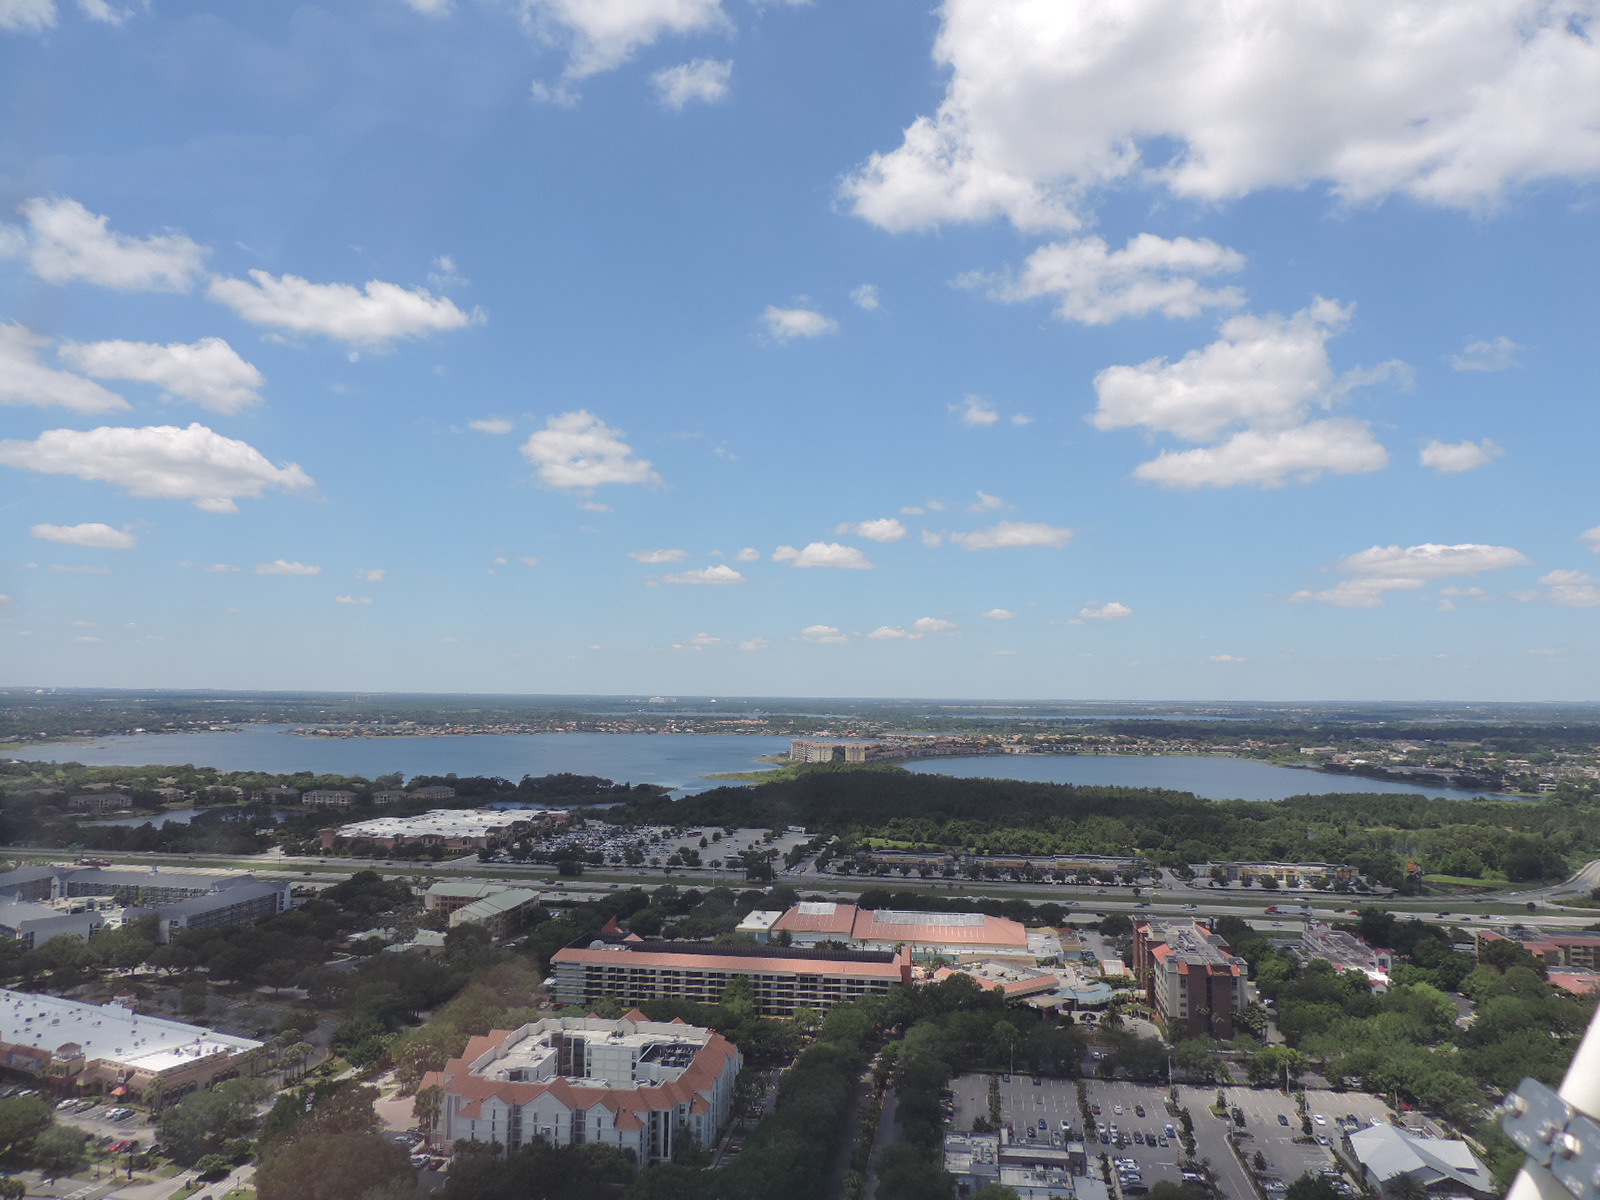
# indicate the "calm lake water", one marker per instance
pixel 1213 778
pixel 676 760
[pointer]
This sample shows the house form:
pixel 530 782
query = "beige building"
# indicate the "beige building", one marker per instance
pixel 640 1085
pixel 113 1049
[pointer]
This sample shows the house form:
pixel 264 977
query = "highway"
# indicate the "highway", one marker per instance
pixel 1174 898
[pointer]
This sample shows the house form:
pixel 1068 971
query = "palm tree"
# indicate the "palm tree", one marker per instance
pixel 427 1106
pixel 299 1052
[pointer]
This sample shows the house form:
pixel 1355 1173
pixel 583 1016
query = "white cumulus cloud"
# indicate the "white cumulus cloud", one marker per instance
pixel 280 566
pixel 92 534
pixel 1430 560
pixel 372 575
pixel 786 324
pixel 658 556
pixel 1048 102
pixel 1012 534
pixel 883 529
pixel 374 315
pixel 577 451
pixel 1571 589
pixel 999 614
pixel 888 633
pixel 824 554
pixel 927 625
pixel 1381 569
pixel 865 296
pixel 495 425
pixel 64 242
pixel 975 412
pixel 755 643
pixel 1263 371
pixel 826 635
pixel 1450 458
pixel 24 380
pixel 209 372
pixel 748 554
pixel 159 462
pixel 986 503
pixel 1591 538
pixel 1112 610
pixel 1253 392
pixel 1095 285
pixel 704 79
pixel 599 35
pixel 1492 354
pixel 719 574
pixel 1341 446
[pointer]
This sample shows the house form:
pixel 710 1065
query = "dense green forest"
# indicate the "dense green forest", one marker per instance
pixel 1383 835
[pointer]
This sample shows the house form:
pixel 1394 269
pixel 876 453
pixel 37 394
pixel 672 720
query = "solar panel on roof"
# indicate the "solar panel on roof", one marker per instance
pixel 896 917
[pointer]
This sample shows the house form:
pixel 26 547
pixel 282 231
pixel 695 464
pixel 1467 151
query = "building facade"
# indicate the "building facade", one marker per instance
pixel 103 1048
pixel 1190 977
pixel 781 979
pixel 636 1084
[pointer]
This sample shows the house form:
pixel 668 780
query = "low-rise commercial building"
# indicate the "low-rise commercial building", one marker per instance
pixel 926 934
pixel 781 978
pixel 447 895
pixel 181 899
pixel 236 902
pixel 33 924
pixel 1444 1167
pixel 1562 951
pixel 1034 1172
pixel 139 887
pixel 502 914
pixel 758 923
pixel 433 793
pixel 30 883
pixel 111 1048
pixel 1347 952
pixel 1013 982
pixel 1190 977
pixel 452 828
pixel 100 802
pixel 328 798
pixel 643 1086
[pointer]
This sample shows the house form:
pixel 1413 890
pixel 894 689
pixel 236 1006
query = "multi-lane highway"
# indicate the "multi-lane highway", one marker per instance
pixel 1173 898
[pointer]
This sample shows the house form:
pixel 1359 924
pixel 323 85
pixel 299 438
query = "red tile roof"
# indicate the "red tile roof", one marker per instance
pixel 730 963
pixel 818 916
pixel 701 1075
pixel 984 931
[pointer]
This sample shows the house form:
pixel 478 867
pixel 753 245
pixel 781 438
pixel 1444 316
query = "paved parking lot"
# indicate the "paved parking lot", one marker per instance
pixel 1025 1103
pixel 1262 1109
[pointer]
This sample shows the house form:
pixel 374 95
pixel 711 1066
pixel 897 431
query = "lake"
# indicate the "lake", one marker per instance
pixel 1214 778
pixel 681 761
pixel 677 760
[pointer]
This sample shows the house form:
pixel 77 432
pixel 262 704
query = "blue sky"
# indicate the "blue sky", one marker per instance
pixel 998 349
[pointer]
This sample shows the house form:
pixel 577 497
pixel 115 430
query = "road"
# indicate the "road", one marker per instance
pixel 1174 898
